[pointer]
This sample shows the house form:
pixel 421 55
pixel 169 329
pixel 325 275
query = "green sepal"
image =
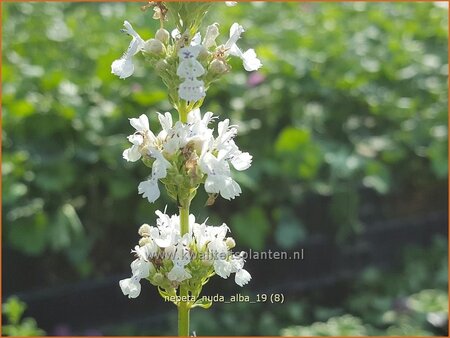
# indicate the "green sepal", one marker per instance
pixel 203 303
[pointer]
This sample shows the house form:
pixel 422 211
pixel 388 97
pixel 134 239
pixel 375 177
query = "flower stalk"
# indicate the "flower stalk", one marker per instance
pixel 184 306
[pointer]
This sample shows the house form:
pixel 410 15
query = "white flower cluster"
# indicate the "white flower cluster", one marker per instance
pixel 193 89
pixel 195 146
pixel 167 259
pixel 189 68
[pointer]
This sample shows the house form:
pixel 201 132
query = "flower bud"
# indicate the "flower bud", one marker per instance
pixel 158 278
pixel 144 240
pixel 154 47
pixel 230 242
pixel 161 65
pixel 203 53
pixel 207 262
pixel 144 230
pixel 162 35
pixel 218 67
pixel 212 32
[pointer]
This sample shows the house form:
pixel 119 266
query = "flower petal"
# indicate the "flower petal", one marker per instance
pixel 241 161
pixel 140 124
pixel 251 61
pixel 242 277
pixel 130 287
pixel 150 190
pixel 123 68
pixel 192 90
pixel 132 154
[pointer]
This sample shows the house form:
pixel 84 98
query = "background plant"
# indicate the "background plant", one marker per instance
pixel 354 95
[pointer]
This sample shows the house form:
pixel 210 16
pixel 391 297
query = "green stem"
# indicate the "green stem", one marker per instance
pixel 183 317
pixel 183 111
pixel 184 220
pixel 183 306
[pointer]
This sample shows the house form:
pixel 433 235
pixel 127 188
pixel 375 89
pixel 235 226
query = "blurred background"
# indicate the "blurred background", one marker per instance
pixel 347 124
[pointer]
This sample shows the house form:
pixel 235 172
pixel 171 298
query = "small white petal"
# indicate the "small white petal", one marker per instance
pixel 237 263
pixel 242 277
pixel 236 31
pixel 196 40
pixel 140 124
pixel 136 139
pixel 190 68
pixel 123 68
pixel 132 154
pixel 222 268
pixel 218 246
pixel 192 90
pixel 250 60
pixel 231 3
pixel 175 34
pixel 129 29
pixel 189 52
pixel 242 161
pixel 140 268
pixel 150 190
pixel 165 121
pixel 160 166
pixel 130 287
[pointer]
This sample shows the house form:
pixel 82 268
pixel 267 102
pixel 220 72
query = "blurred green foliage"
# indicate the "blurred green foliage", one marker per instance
pixel 345 325
pixel 13 310
pixel 352 98
pixel 422 309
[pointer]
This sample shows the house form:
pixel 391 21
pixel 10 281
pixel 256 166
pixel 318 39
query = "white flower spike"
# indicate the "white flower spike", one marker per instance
pixel 174 254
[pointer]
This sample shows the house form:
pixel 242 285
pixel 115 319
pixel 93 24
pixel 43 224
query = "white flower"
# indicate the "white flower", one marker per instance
pixel 189 67
pixel 124 66
pixel 130 287
pixel 141 139
pixel 219 180
pixel 242 277
pixel 146 143
pixel 140 268
pixel 166 233
pixel 249 58
pixel 231 3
